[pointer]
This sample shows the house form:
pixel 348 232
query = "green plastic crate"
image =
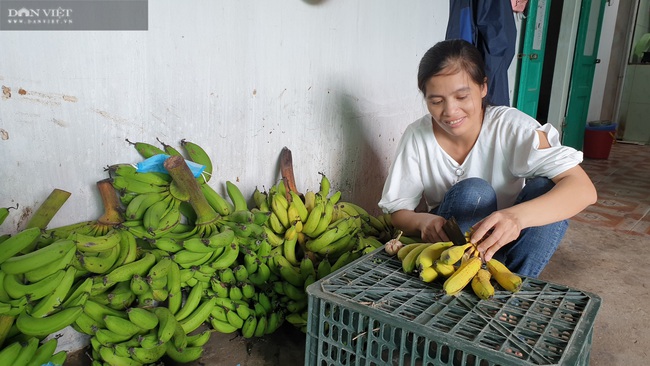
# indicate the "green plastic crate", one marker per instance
pixel 371 313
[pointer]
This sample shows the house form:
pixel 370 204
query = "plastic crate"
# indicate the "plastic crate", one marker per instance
pixel 371 313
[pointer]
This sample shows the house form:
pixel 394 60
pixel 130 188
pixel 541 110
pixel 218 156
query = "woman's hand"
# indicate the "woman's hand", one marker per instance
pixel 427 225
pixel 495 231
pixel 431 228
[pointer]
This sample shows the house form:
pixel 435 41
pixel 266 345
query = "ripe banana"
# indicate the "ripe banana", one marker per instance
pixel 409 261
pixel 428 274
pixel 463 275
pixel 431 253
pixel 504 277
pixel 453 254
pixel 443 269
pixel 481 284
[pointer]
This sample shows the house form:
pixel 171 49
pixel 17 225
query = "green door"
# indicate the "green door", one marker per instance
pixel 582 75
pixel 531 56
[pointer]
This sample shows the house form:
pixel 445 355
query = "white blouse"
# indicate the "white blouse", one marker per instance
pixel 505 154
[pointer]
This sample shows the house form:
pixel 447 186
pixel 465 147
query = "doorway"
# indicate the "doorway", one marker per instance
pixel 548 69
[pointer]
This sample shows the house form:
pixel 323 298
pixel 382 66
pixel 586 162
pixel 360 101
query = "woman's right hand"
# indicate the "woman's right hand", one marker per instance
pixel 431 228
pixel 427 225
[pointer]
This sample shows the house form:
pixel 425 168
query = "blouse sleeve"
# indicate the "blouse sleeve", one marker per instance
pixel 403 187
pixel 528 160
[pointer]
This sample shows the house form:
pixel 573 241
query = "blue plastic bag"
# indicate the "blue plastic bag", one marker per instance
pixel 156 164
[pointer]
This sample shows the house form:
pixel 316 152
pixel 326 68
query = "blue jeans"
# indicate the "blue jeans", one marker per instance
pixel 473 199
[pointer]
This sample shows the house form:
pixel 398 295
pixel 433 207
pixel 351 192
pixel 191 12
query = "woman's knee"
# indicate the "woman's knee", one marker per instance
pixel 534 188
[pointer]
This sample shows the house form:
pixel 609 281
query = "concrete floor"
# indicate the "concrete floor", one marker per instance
pixel 600 255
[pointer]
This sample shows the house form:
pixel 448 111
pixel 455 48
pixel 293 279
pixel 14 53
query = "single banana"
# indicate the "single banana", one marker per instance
pixel 43 354
pixel 325 184
pixel 462 276
pixel 222 326
pixel 198 155
pixel 191 303
pixel 78 289
pixel 261 276
pixel 325 220
pixel 40 257
pixel 311 223
pixel 323 269
pixel 227 258
pixel 41 327
pixel 96 244
pixel 289 272
pixel 187 355
pixel 10 353
pixel 139 285
pixel 431 254
pixel 51 302
pixel 108 355
pixel 409 261
pixel 217 201
pixel 148 355
pixel 27 352
pixel 199 339
pixel 248 327
pixel 17 242
pixel 16 288
pixel 198 316
pixel 428 274
pixel 504 277
pixel 453 254
pixel 236 196
pixel 140 203
pixel 124 273
pixel 130 185
pixel 481 284
pixel 131 171
pixel 100 263
pixel 122 326
pixel 443 269
pixel 166 323
pixel 175 297
pixel 50 268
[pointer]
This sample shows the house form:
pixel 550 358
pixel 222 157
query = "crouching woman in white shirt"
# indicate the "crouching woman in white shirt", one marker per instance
pixel 494 168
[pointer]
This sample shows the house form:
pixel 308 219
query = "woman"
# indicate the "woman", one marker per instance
pixel 495 169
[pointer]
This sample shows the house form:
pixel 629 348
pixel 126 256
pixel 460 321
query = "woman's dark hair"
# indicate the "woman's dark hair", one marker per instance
pixel 451 56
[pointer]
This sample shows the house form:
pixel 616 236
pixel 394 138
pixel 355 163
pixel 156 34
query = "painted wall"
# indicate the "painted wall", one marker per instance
pixel 334 81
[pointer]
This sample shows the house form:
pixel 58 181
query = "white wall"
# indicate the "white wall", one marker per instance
pixel 335 81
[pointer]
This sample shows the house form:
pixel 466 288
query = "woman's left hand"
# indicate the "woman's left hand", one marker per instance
pixel 495 231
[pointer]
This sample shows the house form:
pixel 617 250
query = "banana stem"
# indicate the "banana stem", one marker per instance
pixel 182 175
pixel 6 322
pixel 112 212
pixel 45 213
pixel 286 170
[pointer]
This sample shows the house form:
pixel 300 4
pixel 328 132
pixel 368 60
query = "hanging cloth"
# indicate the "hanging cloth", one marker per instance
pixel 494 33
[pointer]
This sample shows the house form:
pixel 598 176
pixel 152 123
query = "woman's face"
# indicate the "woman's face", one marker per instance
pixel 455 102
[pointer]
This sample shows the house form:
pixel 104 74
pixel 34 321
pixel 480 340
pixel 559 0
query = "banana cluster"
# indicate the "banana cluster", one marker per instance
pixel 311 237
pixel 171 260
pixel 32 352
pixel 458 266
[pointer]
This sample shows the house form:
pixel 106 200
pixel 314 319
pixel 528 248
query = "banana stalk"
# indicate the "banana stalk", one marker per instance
pixel 112 212
pixel 206 216
pixel 46 212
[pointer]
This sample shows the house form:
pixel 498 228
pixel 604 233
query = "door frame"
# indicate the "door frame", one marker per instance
pixel 564 64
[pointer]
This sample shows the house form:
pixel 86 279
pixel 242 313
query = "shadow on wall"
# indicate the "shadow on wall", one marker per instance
pixel 361 180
